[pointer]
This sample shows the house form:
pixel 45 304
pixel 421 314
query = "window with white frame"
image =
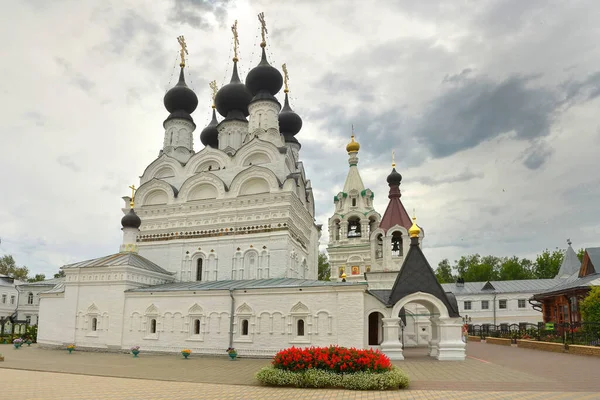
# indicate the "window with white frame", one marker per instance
pixel 196 327
pixel 94 324
pixel 467 305
pixel 30 298
pixel 522 303
pixel 12 299
pixel 245 329
pixel 3 299
pixel 28 319
pixel 153 325
pixel 502 304
pixel 300 327
pixel 485 304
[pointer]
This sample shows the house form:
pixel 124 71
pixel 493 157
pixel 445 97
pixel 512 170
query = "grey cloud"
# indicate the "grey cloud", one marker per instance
pixel 336 83
pixel 67 162
pixel 457 78
pixel 537 154
pixel 194 12
pixel 464 176
pixel 480 109
pixel 76 78
pixel 35 117
pixel 128 27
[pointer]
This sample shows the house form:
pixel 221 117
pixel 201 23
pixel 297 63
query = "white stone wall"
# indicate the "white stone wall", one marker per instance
pixel 331 315
pixel 511 315
pixel 9 297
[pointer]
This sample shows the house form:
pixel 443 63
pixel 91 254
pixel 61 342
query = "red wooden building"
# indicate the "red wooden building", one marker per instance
pixel 560 304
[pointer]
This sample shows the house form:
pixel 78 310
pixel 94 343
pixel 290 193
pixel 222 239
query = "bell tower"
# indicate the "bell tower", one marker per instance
pixel 351 225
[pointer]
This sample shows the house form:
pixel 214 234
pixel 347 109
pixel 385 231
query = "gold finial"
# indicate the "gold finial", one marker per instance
pixel 213 86
pixel 393 162
pixel 353 146
pixel 414 230
pixel 286 77
pixel 263 29
pixel 236 41
pixel 133 189
pixel 183 50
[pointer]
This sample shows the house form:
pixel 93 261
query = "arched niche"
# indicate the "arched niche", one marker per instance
pixel 156 197
pixel 203 191
pixel 254 186
pixel 256 158
pixel 164 172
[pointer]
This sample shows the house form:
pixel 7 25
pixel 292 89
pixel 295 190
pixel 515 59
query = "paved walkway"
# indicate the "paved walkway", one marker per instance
pixel 501 372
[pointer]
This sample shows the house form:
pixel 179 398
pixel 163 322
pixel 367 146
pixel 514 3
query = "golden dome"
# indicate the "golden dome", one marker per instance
pixel 414 230
pixel 353 146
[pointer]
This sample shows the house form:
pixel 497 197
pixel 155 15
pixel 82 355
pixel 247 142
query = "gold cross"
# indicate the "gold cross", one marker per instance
pixel 183 50
pixel 236 41
pixel 133 189
pixel 213 86
pixel 263 28
pixel 393 162
pixel 286 77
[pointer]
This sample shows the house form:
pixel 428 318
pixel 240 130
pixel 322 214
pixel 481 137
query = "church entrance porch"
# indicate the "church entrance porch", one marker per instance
pixel 445 341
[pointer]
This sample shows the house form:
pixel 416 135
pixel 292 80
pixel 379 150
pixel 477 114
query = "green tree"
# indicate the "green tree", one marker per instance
pixel 324 269
pixel 37 278
pixel 443 272
pixel 590 306
pixel 474 268
pixel 580 254
pixel 515 269
pixel 548 263
pixel 9 267
pixel 60 274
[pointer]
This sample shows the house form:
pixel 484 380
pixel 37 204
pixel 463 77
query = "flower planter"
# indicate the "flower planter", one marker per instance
pixel 232 356
pixel 70 350
pixel 185 355
pixel 135 353
pixel 17 345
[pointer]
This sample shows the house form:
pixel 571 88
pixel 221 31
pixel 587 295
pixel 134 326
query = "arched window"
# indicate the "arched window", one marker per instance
pixel 30 298
pixel 245 327
pixel 94 324
pixel 199 270
pixel 354 202
pixel 353 227
pixel 397 244
pixel 196 327
pixel 379 248
pixel 153 326
pixel 300 327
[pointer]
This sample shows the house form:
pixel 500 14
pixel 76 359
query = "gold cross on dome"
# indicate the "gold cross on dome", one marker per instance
pixel 263 28
pixel 133 189
pixel 393 162
pixel 236 41
pixel 183 51
pixel 213 86
pixel 286 77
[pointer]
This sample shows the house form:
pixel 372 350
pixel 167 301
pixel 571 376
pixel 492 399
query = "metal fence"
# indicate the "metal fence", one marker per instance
pixel 583 333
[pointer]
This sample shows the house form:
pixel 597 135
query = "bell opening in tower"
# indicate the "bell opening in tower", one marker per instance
pixel 354 227
pixel 199 270
pixel 397 244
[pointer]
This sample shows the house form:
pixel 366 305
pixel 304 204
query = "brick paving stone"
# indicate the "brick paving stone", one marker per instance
pixel 35 385
pixel 490 368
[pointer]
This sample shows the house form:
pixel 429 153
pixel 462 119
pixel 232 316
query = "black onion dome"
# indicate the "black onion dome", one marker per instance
pixel 234 96
pixel 181 97
pixel 210 135
pixel 264 77
pixel 394 178
pixel 131 220
pixel 290 123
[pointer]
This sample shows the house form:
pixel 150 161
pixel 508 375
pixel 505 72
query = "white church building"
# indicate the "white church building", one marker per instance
pixel 220 247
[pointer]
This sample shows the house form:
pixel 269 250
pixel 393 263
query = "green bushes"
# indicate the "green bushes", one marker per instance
pixel 318 378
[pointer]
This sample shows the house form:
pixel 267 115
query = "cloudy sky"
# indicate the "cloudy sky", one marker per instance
pixel 491 106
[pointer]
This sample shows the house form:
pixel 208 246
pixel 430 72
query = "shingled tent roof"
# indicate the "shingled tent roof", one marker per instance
pixel 416 275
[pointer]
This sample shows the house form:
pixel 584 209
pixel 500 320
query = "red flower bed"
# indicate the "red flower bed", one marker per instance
pixel 333 358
